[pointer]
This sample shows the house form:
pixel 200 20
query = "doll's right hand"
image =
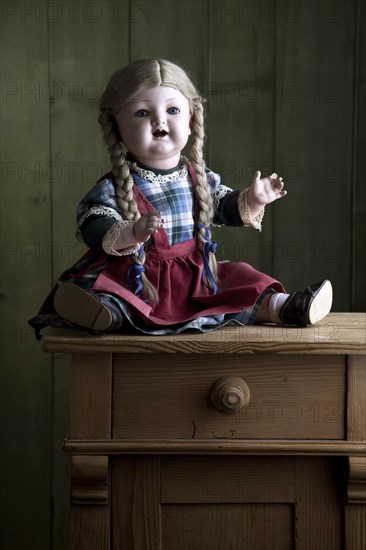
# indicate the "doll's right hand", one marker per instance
pixel 147 225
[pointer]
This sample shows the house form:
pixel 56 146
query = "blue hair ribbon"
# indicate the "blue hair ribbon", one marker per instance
pixel 135 272
pixel 208 247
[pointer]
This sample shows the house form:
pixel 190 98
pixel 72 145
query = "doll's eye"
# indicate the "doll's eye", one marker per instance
pixel 173 111
pixel 142 113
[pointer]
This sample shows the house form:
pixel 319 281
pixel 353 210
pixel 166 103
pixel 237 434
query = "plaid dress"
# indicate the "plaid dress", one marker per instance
pixel 174 199
pixel 175 263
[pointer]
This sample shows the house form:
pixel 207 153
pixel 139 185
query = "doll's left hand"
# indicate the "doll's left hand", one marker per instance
pixel 265 190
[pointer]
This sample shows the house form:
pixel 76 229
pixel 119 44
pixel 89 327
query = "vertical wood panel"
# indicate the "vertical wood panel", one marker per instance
pixel 355 514
pixel 136 503
pixel 355 530
pixel 60 460
pixel 91 396
pixel 240 110
pixel 356 398
pixel 89 527
pixel 25 274
pixel 359 167
pixel 86 46
pixel 171 30
pixel 318 509
pixel 313 136
pixel 90 417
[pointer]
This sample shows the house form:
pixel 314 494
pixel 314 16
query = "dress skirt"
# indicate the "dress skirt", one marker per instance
pixel 177 273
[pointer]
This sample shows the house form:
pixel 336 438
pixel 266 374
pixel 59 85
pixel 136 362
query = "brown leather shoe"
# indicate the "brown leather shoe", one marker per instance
pixel 309 306
pixel 86 309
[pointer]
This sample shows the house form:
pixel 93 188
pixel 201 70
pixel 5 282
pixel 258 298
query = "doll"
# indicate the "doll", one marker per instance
pixel 151 261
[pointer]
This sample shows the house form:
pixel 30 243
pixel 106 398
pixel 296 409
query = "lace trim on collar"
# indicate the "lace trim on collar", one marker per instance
pixel 151 176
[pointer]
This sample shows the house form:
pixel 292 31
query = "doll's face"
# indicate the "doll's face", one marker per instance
pixel 154 126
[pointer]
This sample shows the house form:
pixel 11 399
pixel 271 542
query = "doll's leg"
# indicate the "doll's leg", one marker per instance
pixel 91 310
pixel 300 308
pixel 262 315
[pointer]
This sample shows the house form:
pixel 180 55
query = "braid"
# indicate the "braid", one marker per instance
pixel 124 190
pixel 202 189
pixel 120 168
pixel 149 288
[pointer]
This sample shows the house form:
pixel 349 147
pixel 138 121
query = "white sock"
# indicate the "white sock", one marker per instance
pixel 276 302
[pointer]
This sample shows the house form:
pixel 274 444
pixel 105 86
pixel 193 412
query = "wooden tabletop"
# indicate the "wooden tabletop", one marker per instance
pixel 338 333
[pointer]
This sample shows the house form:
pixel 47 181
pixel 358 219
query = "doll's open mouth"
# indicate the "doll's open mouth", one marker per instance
pixel 160 133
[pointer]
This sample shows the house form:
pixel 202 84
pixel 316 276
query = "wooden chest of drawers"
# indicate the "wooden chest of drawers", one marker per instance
pixel 242 438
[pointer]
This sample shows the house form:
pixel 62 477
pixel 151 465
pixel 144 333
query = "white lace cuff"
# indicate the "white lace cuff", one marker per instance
pixel 121 228
pixel 96 210
pixel 245 213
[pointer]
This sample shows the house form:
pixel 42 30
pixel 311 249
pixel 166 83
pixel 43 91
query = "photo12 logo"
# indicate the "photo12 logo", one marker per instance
pixel 239 11
pixel 24 91
pixel 70 11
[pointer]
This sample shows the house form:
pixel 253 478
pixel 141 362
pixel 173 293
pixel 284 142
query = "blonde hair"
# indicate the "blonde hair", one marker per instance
pixel 122 87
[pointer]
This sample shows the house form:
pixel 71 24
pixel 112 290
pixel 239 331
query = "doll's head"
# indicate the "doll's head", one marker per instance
pixel 129 81
pixel 123 86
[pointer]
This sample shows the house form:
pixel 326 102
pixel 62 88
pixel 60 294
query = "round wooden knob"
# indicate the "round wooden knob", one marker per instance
pixel 230 394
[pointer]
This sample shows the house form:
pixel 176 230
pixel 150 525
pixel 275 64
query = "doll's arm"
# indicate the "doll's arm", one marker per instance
pixel 105 233
pixel 252 201
pixel 233 211
pixel 246 208
pixel 127 237
pixel 100 222
pixel 225 201
pixel 122 237
pixel 264 191
pixel 227 211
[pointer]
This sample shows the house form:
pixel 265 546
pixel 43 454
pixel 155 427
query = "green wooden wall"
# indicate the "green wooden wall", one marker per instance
pixel 285 84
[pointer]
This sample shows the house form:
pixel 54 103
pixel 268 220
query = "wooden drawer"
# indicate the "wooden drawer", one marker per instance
pixel 168 396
